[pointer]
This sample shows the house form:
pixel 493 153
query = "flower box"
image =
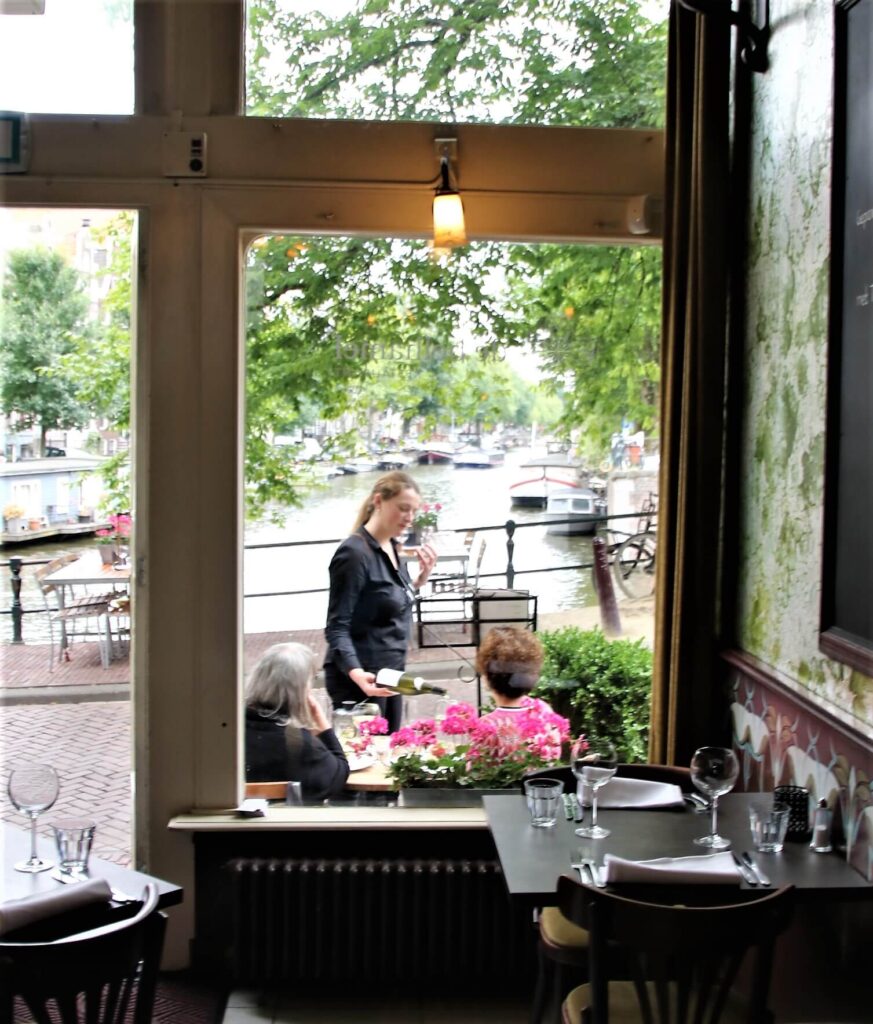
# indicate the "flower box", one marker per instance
pixel 460 796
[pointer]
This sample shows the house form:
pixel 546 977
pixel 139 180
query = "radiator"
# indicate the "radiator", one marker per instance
pixel 407 921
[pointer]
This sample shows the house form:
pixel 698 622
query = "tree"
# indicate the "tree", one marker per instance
pixel 43 318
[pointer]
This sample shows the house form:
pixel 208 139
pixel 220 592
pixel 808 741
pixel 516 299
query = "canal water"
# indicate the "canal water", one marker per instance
pixel 470 498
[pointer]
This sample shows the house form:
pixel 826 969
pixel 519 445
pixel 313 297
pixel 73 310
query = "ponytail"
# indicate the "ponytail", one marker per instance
pixel 388 486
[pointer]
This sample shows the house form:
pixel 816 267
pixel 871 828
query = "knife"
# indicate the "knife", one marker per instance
pixel 750 877
pixel 580 810
pixel 762 878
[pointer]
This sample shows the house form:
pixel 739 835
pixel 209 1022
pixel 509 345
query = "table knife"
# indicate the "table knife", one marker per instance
pixel 750 877
pixel 762 878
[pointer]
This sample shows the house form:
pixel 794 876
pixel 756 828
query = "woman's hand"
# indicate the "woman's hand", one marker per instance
pixel 426 557
pixel 319 718
pixel 366 681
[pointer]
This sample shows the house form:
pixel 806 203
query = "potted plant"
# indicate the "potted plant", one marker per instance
pixel 13 517
pixel 455 761
pixel 425 520
pixel 601 685
pixel 113 541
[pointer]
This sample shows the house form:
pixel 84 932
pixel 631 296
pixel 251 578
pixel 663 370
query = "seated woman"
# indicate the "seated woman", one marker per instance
pixel 509 660
pixel 288 736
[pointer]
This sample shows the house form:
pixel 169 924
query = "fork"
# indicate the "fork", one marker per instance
pixel 591 868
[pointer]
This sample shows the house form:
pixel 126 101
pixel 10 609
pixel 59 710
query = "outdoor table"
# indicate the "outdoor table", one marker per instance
pixel 18 884
pixel 89 570
pixel 532 859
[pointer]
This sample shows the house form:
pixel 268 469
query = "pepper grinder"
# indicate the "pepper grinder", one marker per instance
pixel 821 828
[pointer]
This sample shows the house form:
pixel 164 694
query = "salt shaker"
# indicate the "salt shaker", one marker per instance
pixel 821 828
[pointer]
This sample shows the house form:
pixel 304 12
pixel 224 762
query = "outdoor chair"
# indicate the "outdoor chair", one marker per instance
pixel 105 975
pixel 563 947
pixel 683 960
pixel 75 612
pixel 461 584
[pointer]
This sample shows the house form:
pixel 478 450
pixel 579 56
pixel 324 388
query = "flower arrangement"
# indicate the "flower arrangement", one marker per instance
pixel 118 531
pixel 13 511
pixel 491 752
pixel 427 516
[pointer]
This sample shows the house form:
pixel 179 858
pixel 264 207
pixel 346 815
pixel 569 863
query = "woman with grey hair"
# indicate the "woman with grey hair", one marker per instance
pixel 288 736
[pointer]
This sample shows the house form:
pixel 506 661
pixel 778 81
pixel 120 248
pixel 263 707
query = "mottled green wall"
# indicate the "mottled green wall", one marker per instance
pixel 786 359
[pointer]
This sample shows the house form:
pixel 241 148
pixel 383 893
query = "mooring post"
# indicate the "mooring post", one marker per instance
pixel 15 570
pixel 609 617
pixel 510 547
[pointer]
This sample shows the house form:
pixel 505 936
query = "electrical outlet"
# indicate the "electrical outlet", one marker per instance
pixel 184 155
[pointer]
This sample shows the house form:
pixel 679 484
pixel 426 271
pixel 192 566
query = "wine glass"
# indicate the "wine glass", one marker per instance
pixel 33 788
pixel 714 771
pixel 594 761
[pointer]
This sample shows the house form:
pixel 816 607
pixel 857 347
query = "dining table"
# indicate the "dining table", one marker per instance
pixel 532 859
pixel 20 884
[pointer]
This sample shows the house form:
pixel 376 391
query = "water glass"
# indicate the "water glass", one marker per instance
pixel 768 823
pixel 73 837
pixel 543 801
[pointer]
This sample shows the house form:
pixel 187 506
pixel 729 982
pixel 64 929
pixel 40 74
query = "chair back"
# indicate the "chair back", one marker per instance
pixel 477 562
pixel 47 570
pixel 101 975
pixel 683 959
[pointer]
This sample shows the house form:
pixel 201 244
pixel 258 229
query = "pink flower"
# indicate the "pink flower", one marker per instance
pixel 405 737
pixel 437 507
pixel 376 726
pixel 460 719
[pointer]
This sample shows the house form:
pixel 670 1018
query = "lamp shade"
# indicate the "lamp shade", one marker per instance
pixel 448 220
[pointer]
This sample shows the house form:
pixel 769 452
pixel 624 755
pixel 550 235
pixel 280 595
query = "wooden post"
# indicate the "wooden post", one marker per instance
pixel 609 617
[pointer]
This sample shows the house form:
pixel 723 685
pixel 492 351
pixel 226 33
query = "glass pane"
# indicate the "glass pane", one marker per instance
pixel 597 63
pixel 77 58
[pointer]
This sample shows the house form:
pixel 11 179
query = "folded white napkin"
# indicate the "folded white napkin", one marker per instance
pixel 712 868
pixel 30 909
pixel 633 793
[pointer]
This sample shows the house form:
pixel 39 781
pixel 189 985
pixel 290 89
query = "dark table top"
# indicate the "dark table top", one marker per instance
pixel 533 858
pixel 18 884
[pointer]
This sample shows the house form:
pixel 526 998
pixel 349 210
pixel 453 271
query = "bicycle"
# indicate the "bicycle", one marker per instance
pixel 634 556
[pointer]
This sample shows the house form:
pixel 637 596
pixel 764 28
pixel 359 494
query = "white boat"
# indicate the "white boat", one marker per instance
pixel 580 506
pixel 478 458
pixel 434 455
pixel 394 460
pixel 542 477
pixel 355 466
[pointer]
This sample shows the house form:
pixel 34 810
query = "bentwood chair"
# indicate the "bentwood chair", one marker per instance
pixel 562 950
pixel 684 960
pixel 105 975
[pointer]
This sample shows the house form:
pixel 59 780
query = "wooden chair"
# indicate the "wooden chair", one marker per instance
pixel 106 975
pixel 74 606
pixel 562 950
pixel 684 960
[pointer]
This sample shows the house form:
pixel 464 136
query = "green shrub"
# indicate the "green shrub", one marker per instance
pixel 603 686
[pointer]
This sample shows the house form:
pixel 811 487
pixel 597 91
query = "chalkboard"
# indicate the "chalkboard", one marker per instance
pixel 847 578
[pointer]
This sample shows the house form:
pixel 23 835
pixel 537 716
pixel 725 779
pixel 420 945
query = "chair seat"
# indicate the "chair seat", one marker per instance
pixel 561 935
pixel 624 1007
pixel 79 607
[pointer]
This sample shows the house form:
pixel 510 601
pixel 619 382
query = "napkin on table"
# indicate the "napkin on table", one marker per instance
pixel 711 868
pixel 16 914
pixel 633 793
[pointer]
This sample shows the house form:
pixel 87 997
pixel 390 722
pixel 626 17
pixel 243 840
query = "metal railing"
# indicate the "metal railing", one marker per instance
pixel 509 527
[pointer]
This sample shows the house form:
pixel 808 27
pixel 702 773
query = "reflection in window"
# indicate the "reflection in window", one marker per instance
pixel 597 63
pixel 76 58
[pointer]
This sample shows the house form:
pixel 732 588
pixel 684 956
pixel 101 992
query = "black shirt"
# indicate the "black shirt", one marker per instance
pixel 278 753
pixel 370 607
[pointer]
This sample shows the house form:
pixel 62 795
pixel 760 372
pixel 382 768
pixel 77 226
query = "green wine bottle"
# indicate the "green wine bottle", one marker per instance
pixel 405 683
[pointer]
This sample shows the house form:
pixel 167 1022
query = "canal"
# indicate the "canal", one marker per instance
pixel 469 497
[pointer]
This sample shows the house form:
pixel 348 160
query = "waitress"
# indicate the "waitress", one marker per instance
pixel 369 612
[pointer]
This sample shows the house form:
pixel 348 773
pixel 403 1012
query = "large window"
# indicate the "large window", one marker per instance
pixel 543 62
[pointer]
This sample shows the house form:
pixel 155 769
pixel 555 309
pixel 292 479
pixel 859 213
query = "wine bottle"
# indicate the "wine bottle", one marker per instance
pixel 405 683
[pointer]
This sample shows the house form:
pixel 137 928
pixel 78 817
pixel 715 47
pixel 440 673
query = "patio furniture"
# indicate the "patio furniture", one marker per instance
pixel 74 611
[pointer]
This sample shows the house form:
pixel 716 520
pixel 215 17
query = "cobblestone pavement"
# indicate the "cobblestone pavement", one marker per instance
pixel 89 746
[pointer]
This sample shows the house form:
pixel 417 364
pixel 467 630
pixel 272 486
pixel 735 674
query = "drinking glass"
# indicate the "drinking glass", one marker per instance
pixel 714 771
pixel 33 788
pixel 594 761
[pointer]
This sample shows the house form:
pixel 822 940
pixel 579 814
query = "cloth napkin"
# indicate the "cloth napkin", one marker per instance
pixel 30 909
pixel 633 793
pixel 712 869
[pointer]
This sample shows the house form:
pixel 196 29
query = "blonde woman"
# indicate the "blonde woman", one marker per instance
pixel 369 611
pixel 288 736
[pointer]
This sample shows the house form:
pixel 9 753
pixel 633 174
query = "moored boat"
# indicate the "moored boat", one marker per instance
pixel 580 508
pixel 434 455
pixel 478 458
pixel 542 477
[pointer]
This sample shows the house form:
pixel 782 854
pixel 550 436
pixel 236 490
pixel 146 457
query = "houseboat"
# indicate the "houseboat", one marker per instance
pixel 478 458
pixel 542 477
pixel 577 509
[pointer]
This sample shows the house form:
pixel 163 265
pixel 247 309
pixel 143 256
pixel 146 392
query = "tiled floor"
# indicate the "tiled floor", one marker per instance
pixel 243 1007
